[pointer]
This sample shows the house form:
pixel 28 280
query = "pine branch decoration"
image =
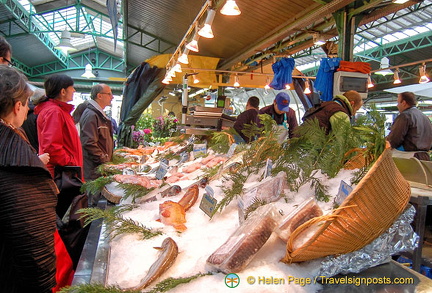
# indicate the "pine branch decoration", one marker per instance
pixel 171 283
pixel 95 288
pixel 96 186
pixel 116 224
pixel 134 190
pixel 230 192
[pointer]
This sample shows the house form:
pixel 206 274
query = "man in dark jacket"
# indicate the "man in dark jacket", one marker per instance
pixel 249 116
pixel 96 132
pixel 341 108
pixel 284 116
pixel 411 130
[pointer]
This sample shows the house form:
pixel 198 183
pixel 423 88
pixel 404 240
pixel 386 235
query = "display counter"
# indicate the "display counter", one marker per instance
pixel 93 269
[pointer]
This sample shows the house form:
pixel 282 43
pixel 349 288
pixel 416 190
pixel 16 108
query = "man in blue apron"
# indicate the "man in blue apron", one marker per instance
pixel 283 115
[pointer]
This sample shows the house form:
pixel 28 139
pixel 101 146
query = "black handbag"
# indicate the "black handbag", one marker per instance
pixel 67 179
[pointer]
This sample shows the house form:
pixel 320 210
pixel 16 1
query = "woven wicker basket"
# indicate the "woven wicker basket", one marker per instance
pixel 366 213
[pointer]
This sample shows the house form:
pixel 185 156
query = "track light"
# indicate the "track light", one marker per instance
pixel 177 68
pixel 400 1
pixel 396 77
pixel 307 89
pixel 384 65
pixel 230 8
pixel 88 73
pixel 195 79
pixel 369 82
pixel 65 44
pixel 236 81
pixel 423 76
pixel 206 30
pixel 184 57
pixel 287 86
pixel 193 45
pixel 267 86
pixel 318 39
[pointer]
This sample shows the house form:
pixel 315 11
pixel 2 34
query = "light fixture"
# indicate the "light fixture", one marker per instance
pixel 88 73
pixel 193 45
pixel 236 81
pixel 184 57
pixel 400 1
pixel 287 86
pixel 267 86
pixel 318 39
pixel 369 82
pixel 167 79
pixel 423 77
pixel 307 89
pixel 230 8
pixel 65 44
pixel 177 68
pixel 206 30
pixel 384 65
pixel 396 77
pixel 195 79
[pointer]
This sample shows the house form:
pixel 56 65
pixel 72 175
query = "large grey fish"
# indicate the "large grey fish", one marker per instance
pixel 165 260
pixel 114 16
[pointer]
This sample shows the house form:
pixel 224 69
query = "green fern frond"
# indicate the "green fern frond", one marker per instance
pixel 116 224
pixel 171 283
pixel 134 190
pixel 95 288
pixel 96 186
pixel 230 192
pixel 256 203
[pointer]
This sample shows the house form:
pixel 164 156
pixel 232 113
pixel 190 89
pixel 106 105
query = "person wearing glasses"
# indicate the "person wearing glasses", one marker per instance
pixel 28 197
pixel 5 53
pixel 96 134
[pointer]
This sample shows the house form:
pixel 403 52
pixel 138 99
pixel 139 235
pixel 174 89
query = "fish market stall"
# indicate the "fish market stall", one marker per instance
pixel 215 228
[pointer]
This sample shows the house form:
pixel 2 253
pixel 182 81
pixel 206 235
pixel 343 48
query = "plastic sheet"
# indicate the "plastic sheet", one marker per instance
pixel 399 237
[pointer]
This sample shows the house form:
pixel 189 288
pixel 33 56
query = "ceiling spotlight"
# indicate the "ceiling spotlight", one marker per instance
pixel 423 76
pixel 206 30
pixel 318 39
pixel 396 77
pixel 195 79
pixel 307 89
pixel 369 82
pixel 267 86
pixel 384 65
pixel 236 81
pixel 88 73
pixel 184 57
pixel 65 44
pixel 230 8
pixel 177 68
pixel 193 45
pixel 287 86
pixel 400 1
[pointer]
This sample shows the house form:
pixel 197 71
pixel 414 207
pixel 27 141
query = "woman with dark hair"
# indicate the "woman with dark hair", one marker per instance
pixel 27 197
pixel 57 133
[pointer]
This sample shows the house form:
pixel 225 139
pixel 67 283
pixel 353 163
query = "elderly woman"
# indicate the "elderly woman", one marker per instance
pixel 27 197
pixel 57 133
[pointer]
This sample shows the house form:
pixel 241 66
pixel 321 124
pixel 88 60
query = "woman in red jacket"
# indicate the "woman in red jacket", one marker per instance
pixel 57 133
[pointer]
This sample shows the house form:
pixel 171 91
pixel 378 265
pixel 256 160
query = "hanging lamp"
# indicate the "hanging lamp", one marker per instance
pixel 65 44
pixel 184 57
pixel 193 45
pixel 206 30
pixel 88 73
pixel 423 77
pixel 396 77
pixel 236 81
pixel 384 65
pixel 230 8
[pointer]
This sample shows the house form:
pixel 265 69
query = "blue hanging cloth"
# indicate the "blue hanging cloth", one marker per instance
pixel 282 73
pixel 324 79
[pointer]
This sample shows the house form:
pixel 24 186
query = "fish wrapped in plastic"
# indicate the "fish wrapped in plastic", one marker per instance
pixel 307 210
pixel 241 247
pixel 267 190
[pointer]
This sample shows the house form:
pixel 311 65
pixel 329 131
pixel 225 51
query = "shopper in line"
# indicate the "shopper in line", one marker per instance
pixel 27 197
pixel 284 116
pixel 411 130
pixel 341 108
pixel 5 52
pixel 96 133
pixel 57 133
pixel 250 116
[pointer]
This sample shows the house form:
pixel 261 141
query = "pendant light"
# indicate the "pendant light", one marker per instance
pixel 193 45
pixel 236 81
pixel 287 86
pixel 184 57
pixel 384 65
pixel 369 82
pixel 423 77
pixel 88 73
pixel 230 8
pixel 206 30
pixel 267 86
pixel 307 90
pixel 65 44
pixel 396 77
